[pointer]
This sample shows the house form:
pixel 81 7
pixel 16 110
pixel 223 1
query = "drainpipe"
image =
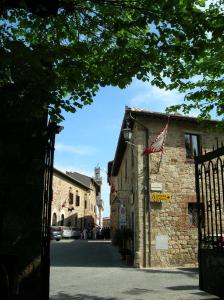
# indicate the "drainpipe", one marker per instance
pixel 146 199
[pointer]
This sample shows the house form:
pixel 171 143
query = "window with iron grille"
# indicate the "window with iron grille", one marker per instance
pixel 192 214
pixel 77 200
pixel 70 198
pixel 191 144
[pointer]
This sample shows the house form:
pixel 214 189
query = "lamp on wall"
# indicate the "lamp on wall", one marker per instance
pixel 127 133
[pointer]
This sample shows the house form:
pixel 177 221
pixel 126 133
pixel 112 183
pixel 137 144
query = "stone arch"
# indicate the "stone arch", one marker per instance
pixel 54 219
pixel 62 219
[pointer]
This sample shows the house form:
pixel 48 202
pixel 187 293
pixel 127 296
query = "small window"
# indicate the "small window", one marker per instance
pixel 192 214
pixel 70 198
pixel 191 144
pixel 77 202
pixel 85 204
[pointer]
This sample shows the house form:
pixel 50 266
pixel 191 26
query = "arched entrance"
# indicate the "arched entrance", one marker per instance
pixel 54 219
pixel 62 219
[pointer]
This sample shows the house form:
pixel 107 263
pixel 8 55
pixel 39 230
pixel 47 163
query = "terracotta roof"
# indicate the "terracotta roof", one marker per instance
pixel 70 178
pixel 85 180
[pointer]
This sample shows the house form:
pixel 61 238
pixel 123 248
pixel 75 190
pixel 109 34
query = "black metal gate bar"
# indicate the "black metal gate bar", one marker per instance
pixel 209 188
pixel 209 179
pixel 220 191
pixel 46 211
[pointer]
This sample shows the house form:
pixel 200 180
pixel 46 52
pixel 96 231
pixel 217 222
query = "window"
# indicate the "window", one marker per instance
pixel 191 144
pixel 85 204
pixel 77 201
pixel 70 198
pixel 192 214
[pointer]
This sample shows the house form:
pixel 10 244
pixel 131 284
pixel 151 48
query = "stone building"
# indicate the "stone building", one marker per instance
pixel 154 194
pixel 99 200
pixel 106 222
pixel 74 199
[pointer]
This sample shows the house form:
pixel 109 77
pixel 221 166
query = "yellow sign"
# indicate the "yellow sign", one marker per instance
pixel 161 197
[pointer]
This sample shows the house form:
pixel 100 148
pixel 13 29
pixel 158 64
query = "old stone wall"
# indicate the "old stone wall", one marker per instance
pixel 131 193
pixel 173 237
pixel 73 215
pixel 165 232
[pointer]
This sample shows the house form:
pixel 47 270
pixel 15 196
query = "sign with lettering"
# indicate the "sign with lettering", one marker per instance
pixel 156 187
pixel 122 216
pixel 161 197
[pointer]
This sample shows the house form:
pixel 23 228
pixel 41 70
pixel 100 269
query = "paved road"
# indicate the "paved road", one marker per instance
pixel 93 270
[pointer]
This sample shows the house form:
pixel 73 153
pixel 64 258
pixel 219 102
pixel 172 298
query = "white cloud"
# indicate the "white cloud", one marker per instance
pixel 151 96
pixel 80 150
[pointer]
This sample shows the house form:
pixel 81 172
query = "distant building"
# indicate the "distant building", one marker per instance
pixel 154 194
pixel 74 199
pixel 99 201
pixel 106 222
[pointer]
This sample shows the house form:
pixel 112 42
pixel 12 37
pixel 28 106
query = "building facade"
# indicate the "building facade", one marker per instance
pixel 154 194
pixel 106 222
pixel 74 200
pixel 99 200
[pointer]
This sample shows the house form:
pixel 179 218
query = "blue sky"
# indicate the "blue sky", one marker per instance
pixel 90 135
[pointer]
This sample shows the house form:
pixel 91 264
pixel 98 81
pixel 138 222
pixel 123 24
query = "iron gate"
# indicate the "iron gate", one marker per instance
pixel 52 129
pixel 209 173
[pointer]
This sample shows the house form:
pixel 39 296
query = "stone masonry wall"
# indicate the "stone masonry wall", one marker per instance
pixel 163 233
pixel 169 220
pixel 61 188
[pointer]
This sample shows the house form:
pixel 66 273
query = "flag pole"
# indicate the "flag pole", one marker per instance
pixel 161 156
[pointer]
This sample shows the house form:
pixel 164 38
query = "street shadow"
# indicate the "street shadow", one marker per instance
pixel 64 296
pixel 183 287
pixel 189 272
pixel 84 253
pixel 137 291
pixel 191 288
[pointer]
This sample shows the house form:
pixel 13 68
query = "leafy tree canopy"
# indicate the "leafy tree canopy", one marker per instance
pixel 56 54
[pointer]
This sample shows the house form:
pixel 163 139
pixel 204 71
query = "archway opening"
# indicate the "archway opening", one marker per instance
pixel 62 220
pixel 54 219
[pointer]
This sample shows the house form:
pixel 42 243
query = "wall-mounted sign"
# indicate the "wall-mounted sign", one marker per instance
pixel 162 242
pixel 156 186
pixel 160 197
pixel 122 218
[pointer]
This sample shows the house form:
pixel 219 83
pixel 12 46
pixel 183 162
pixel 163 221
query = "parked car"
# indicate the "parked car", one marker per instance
pixel 67 232
pixel 56 233
pixel 76 232
pixel 71 232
